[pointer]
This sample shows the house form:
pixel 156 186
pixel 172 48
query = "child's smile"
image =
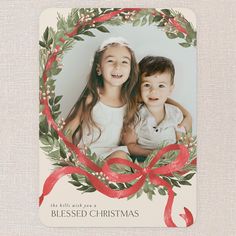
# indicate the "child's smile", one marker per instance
pixel 156 88
pixel 153 99
pixel 117 76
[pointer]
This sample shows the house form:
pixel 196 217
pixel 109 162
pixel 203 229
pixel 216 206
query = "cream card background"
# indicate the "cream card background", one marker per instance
pixel 19 118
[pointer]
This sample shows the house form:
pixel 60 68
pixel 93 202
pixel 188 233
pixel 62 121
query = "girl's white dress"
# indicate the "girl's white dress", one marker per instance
pixel 110 121
pixel 150 135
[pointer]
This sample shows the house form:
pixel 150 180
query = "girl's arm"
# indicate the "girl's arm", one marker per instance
pixel 187 121
pixel 129 138
pixel 73 124
pixel 71 127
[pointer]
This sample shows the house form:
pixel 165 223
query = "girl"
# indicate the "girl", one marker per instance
pixel 96 119
pixel 108 101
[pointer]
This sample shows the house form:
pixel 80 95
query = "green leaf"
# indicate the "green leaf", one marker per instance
pixel 150 194
pixel 180 35
pixel 144 21
pixel 112 186
pixel 43 126
pixel 190 30
pixel 75 183
pixel 54 133
pixel 184 182
pixel 185 45
pixel 150 19
pixel 47 148
pixel 120 185
pixel 189 176
pixel 56 107
pixel 51 101
pixel 78 38
pixel 56 71
pixel 62 151
pixel 90 189
pixel 70 22
pixel 166 179
pixel 62 163
pixel 162 191
pixel 175 183
pixel 81 11
pixel 75 177
pixel 166 12
pixel 171 35
pixel 83 188
pixel 157 18
pixel 50 42
pixel 50 82
pixel 189 168
pixel 139 193
pixel 54 154
pixel 56 115
pixel 145 188
pixel 161 24
pixel 136 22
pixel 41 108
pixel 89 33
pixel 50 140
pixel 103 29
pixel 188 39
pixel 178 176
pixel 42 44
pixel 43 139
pixel 131 196
pixel 57 99
pixel 45 34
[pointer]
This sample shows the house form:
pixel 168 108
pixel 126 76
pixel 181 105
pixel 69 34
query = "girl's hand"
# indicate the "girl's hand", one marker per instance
pixel 186 122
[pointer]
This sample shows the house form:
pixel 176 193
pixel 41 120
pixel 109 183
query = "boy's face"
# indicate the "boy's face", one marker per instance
pixel 155 89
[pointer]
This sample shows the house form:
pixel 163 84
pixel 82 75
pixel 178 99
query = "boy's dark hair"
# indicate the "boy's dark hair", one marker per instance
pixel 151 65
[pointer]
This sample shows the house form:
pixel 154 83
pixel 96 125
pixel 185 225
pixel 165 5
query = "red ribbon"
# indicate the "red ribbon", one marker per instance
pixel 141 173
pixel 177 25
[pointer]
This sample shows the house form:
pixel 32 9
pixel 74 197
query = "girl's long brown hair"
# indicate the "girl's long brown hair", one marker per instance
pixel 95 82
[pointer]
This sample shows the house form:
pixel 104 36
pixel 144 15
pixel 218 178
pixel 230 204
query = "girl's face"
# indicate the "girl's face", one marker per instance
pixel 115 65
pixel 155 89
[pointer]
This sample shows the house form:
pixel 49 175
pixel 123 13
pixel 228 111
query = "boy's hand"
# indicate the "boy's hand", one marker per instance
pixel 186 123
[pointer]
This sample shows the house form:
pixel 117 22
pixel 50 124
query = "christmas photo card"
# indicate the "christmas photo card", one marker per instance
pixel 117 117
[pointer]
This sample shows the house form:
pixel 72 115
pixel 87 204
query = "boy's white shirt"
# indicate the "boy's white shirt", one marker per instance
pixel 150 135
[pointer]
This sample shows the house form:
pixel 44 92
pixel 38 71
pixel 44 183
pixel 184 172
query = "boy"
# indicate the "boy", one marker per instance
pixel 157 121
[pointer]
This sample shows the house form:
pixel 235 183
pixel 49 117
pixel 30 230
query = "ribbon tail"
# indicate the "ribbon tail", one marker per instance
pixel 52 179
pixel 167 214
pixel 187 216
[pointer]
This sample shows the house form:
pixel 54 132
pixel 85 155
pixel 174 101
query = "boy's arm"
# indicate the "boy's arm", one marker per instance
pixel 129 138
pixel 187 121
